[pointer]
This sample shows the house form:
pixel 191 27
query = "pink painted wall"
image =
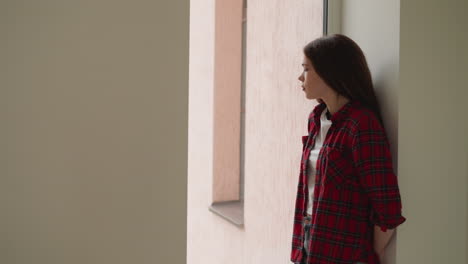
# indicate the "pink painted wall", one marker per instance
pixel 276 115
pixel 227 100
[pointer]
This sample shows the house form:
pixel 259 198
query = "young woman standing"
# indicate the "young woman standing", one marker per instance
pixel 348 201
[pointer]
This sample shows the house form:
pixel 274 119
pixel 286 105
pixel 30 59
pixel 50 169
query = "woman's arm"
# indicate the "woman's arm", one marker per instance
pixel 381 240
pixel 373 160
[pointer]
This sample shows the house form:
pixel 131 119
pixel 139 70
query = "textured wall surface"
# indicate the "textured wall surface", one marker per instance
pixel 276 117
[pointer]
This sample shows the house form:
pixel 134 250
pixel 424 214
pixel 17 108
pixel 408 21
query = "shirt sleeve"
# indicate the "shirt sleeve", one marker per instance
pixel 373 160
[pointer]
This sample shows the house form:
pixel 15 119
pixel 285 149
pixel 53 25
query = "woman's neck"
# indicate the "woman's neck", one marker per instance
pixel 335 103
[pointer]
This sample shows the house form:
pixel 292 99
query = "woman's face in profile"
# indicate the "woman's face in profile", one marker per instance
pixel 312 85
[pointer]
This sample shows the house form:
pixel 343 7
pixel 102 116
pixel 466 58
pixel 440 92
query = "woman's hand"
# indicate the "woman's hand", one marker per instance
pixel 381 255
pixel 381 239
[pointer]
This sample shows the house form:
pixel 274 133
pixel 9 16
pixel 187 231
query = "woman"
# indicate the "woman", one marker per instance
pixel 348 201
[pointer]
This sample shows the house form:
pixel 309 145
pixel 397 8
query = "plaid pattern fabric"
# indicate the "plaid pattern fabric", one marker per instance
pixel 355 189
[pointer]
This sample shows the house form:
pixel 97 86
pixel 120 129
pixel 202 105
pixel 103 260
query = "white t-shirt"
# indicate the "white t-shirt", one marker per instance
pixel 312 162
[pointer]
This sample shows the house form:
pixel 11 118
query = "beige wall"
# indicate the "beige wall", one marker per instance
pixel 276 117
pixel 94 131
pixel 433 131
pixel 375 26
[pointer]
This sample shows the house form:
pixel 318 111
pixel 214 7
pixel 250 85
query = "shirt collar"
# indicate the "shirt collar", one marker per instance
pixel 338 116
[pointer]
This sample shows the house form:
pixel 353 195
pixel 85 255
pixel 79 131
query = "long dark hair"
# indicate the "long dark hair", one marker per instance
pixel 341 64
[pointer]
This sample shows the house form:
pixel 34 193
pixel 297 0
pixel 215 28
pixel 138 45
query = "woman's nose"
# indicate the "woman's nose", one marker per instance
pixel 301 77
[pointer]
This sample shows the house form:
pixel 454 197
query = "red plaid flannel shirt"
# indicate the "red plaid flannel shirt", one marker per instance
pixel 355 189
